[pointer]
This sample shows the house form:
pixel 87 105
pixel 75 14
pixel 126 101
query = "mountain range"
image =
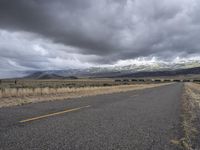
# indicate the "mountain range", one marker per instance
pixel 145 70
pixel 133 69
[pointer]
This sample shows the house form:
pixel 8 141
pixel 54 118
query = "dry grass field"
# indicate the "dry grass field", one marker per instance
pixel 56 83
pixel 22 88
pixel 193 90
pixel 191 116
pixel 29 91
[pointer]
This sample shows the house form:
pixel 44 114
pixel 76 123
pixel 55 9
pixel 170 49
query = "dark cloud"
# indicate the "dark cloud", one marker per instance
pixel 102 31
pixel 68 22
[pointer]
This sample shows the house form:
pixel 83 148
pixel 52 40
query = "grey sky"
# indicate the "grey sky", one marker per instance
pixel 61 34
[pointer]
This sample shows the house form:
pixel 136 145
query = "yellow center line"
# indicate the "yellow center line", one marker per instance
pixel 52 114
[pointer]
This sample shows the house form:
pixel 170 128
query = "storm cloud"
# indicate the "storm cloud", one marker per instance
pixel 49 34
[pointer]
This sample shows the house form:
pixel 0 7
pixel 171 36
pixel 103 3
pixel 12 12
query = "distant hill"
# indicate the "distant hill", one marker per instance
pixel 43 75
pixel 48 75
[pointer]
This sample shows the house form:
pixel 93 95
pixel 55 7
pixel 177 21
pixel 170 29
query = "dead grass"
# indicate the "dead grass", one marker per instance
pixel 13 96
pixel 193 90
pixel 190 101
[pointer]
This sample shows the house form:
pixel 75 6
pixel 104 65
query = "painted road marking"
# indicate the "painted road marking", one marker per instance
pixel 53 114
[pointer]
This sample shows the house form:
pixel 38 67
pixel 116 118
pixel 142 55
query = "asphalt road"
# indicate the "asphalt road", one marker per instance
pixel 136 120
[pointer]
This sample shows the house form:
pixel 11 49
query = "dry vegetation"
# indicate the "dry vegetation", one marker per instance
pixel 193 90
pixel 56 83
pixel 36 91
pixel 191 117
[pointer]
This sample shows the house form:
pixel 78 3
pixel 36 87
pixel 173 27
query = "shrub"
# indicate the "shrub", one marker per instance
pixel 134 80
pixel 117 80
pixel 126 80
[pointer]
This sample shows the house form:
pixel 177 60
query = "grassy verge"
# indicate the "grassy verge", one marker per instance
pixel 190 106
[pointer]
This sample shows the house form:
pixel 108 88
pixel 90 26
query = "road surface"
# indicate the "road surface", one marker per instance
pixel 137 120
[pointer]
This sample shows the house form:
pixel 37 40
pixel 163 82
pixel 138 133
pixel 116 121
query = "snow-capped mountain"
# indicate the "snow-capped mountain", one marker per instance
pixel 136 68
pixel 153 66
